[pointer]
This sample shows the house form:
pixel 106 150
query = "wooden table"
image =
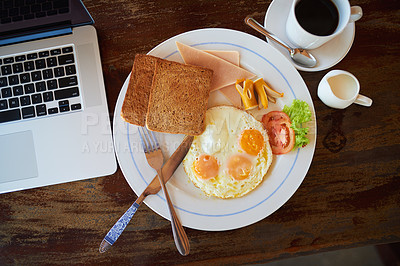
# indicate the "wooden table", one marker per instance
pixel 350 196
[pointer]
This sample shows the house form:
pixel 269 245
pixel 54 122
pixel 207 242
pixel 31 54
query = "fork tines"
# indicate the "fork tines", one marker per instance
pixel 149 141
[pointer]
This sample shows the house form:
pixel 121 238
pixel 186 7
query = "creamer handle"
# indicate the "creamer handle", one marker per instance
pixel 363 100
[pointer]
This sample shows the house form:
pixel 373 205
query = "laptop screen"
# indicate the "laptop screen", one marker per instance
pixel 26 17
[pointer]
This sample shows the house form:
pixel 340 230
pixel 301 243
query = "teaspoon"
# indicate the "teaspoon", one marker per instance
pixel 298 55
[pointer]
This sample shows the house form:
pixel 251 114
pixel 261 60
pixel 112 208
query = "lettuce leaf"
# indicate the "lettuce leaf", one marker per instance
pixel 299 112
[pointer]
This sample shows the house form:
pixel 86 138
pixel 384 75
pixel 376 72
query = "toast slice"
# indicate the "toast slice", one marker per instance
pixel 178 98
pixel 134 107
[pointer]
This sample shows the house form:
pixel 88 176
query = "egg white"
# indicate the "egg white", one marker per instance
pixel 224 125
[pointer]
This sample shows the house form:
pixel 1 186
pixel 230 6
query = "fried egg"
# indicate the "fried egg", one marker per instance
pixel 231 157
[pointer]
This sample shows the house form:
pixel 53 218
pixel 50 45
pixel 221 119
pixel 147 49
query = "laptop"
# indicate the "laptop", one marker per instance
pixel 54 120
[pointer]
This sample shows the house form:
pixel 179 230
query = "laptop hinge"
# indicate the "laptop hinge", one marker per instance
pixel 36 36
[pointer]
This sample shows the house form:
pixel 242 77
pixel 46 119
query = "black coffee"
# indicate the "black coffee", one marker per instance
pixel 318 17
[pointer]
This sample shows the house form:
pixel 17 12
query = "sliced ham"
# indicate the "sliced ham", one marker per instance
pixel 232 95
pixel 225 73
pixel 230 56
pixel 229 91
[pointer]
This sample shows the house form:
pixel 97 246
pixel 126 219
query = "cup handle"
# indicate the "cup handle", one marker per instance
pixel 363 100
pixel 356 13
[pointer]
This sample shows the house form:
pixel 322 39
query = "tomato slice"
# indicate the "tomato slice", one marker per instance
pixel 281 135
pixel 275 116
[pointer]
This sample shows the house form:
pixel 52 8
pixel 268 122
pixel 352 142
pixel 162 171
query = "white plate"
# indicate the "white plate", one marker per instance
pixel 327 55
pixel 193 208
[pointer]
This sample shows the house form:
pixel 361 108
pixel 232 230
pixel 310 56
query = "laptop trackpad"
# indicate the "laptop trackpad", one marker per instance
pixel 18 157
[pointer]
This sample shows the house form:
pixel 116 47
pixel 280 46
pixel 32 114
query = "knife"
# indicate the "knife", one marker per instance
pixel 168 169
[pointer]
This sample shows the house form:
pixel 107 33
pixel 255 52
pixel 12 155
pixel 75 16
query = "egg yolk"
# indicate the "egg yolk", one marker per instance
pixel 206 166
pixel 252 141
pixel 239 167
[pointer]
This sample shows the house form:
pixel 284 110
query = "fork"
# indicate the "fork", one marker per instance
pixel 155 159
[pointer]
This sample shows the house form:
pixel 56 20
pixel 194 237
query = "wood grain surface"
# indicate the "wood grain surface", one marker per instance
pixel 350 196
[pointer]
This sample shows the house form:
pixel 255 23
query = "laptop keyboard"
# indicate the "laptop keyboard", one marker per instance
pixel 38 84
pixel 17 10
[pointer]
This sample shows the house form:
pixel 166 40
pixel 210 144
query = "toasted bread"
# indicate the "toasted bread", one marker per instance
pixel 178 98
pixel 134 107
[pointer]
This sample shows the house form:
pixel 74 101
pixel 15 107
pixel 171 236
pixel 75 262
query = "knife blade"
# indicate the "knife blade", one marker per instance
pixel 169 167
pixel 168 170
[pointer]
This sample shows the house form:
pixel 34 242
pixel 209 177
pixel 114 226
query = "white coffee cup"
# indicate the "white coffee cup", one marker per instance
pixel 306 40
pixel 339 89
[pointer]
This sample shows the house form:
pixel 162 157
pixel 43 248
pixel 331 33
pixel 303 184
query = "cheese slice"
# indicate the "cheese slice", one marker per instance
pixel 225 73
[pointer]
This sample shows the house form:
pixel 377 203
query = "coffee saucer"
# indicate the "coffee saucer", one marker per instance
pixel 327 55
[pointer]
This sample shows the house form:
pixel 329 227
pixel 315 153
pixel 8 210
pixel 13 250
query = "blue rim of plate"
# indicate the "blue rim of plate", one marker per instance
pixel 258 203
